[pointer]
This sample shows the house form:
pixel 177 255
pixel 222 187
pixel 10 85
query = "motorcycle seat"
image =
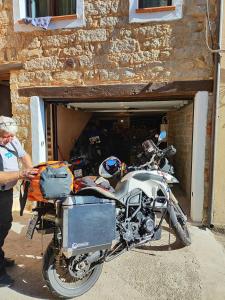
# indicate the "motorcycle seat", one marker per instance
pixel 121 191
pixel 97 191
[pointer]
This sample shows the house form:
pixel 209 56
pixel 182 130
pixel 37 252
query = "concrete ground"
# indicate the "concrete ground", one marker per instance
pixel 151 272
pixel 220 237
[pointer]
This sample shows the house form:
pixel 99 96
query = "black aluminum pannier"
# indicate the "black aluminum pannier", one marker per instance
pixel 89 224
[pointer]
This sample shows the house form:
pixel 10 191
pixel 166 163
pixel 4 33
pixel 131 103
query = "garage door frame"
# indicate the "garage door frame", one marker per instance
pixel 201 97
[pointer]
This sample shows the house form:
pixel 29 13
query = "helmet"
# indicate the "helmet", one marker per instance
pixel 110 167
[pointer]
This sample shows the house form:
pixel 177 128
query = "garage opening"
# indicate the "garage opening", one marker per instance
pixel 101 129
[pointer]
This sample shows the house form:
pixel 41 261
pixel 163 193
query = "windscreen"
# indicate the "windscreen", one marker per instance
pixel 148 146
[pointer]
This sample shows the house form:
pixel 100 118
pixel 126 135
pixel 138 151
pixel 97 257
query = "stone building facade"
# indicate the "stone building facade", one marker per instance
pixel 106 50
pixel 218 200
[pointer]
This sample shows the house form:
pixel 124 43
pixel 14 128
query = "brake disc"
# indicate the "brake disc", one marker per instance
pixel 79 266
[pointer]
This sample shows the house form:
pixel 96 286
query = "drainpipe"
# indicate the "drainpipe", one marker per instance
pixel 216 99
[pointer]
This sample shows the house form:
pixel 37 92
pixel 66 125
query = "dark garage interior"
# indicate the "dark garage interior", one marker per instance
pixel 99 130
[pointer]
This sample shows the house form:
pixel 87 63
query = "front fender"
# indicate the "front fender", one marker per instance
pixel 172 214
pixel 174 210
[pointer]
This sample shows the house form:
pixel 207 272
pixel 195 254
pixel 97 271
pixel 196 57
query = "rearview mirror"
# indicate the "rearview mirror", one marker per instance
pixel 162 136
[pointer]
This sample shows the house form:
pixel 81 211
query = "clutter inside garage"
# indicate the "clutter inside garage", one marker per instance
pixel 120 136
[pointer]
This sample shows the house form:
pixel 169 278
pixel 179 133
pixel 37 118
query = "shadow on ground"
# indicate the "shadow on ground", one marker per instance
pixel 168 242
pixel 28 256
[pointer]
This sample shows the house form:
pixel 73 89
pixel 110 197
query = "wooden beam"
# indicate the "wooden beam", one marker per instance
pixel 119 90
pixel 6 68
pixel 55 18
pixel 155 9
pixel 4 76
pixel 152 97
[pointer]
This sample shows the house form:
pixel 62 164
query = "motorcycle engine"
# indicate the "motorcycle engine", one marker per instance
pixel 139 227
pixel 131 231
pixel 149 224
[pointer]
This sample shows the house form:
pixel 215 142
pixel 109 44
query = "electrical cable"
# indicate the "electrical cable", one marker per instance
pixel 208 21
pixel 209 28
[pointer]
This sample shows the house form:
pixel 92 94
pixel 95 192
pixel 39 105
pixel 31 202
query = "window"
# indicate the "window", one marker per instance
pixel 154 3
pixel 43 8
pixel 143 11
pixel 64 13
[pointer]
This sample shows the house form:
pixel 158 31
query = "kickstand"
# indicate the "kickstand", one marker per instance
pixel 42 244
pixel 42 239
pixel 169 246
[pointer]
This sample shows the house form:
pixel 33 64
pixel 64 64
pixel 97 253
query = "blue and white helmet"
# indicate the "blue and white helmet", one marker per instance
pixel 110 167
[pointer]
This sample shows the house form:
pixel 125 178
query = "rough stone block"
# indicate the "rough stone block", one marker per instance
pixel 96 35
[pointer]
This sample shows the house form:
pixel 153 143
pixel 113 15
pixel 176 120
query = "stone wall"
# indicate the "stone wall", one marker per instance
pixel 107 50
pixel 180 128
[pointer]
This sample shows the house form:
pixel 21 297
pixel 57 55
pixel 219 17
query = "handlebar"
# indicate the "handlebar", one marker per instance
pixel 158 154
pixel 167 152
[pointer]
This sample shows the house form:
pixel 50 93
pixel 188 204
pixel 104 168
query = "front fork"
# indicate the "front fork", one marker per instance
pixel 175 210
pixel 173 198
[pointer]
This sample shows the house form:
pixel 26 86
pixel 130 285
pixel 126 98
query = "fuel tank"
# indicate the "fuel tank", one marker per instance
pixel 148 182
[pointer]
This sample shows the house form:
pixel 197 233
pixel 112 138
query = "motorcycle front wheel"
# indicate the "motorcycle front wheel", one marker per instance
pixel 63 285
pixel 180 228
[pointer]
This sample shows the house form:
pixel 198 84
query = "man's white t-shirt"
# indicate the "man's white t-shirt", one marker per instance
pixel 10 161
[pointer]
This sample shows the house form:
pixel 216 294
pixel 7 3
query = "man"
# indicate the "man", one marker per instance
pixel 10 152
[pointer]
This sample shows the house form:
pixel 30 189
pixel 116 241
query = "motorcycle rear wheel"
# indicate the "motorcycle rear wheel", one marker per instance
pixel 61 288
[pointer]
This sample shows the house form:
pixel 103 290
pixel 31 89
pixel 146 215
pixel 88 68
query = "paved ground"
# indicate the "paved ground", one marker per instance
pixel 152 272
pixel 220 237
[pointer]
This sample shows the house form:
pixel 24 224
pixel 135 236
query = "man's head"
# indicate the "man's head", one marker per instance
pixel 8 129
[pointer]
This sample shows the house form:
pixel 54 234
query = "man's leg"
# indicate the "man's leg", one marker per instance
pixel 6 201
pixel 4 229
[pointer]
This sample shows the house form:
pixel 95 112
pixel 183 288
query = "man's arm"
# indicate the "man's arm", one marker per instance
pixel 7 177
pixel 26 161
pixel 23 156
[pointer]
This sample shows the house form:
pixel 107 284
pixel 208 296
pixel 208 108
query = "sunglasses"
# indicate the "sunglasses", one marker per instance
pixel 9 123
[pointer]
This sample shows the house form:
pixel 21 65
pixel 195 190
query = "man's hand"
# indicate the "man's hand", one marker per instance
pixel 28 173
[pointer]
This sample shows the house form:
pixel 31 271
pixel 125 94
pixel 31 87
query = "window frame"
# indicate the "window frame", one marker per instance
pixel 154 6
pixel 57 22
pixel 29 8
pixel 155 14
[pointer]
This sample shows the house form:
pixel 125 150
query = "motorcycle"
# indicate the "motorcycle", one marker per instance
pixel 95 226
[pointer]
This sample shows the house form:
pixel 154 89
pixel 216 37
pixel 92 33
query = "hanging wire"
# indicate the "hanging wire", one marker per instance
pixel 209 28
